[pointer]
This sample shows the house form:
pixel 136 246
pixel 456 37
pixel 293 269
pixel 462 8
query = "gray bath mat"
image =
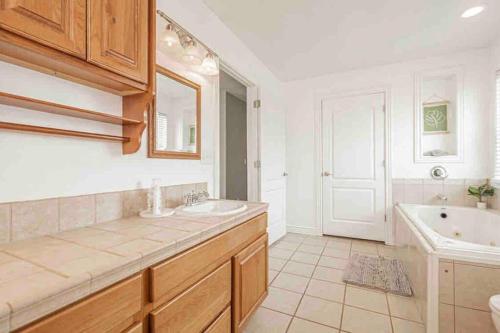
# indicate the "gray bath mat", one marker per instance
pixel 379 273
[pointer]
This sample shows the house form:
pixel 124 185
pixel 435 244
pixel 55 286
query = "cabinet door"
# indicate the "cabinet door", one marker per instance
pixel 60 24
pixel 249 281
pixel 118 36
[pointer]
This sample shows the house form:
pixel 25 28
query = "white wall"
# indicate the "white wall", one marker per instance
pixel 300 98
pixel 204 24
pixel 495 67
pixel 35 166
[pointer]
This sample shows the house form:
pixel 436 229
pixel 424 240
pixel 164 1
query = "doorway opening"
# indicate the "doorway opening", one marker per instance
pixel 238 148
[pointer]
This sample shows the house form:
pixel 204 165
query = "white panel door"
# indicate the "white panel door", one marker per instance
pixel 353 166
pixel 273 150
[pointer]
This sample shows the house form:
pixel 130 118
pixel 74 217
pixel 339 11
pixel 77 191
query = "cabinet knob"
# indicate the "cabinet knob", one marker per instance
pixel 326 174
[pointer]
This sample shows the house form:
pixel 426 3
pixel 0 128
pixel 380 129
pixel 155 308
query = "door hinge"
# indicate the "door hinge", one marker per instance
pixel 385 218
pixel 257 103
pixel 257 164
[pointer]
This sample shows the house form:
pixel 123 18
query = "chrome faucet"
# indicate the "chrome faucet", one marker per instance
pixel 196 198
pixel 443 198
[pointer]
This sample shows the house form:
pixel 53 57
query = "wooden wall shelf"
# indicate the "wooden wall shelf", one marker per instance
pixel 63 132
pixel 27 41
pixel 132 128
pixel 65 110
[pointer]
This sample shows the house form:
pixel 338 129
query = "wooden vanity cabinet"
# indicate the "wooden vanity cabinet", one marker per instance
pixel 196 308
pixel 112 310
pixel 250 277
pixel 60 24
pixel 118 36
pixel 222 324
pixel 176 274
pixel 186 283
pixel 136 328
pixel 212 287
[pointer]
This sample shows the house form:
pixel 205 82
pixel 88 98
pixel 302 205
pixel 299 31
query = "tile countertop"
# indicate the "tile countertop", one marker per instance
pixel 41 275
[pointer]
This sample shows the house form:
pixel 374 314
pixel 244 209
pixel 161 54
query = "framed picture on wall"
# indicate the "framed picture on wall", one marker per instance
pixel 435 117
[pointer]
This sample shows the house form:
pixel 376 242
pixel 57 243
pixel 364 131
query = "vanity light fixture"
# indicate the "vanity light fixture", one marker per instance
pixel 186 48
pixel 209 65
pixel 191 54
pixel 473 11
pixel 170 36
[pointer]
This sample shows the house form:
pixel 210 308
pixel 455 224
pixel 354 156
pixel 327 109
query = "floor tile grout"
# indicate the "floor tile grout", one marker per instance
pixel 317 265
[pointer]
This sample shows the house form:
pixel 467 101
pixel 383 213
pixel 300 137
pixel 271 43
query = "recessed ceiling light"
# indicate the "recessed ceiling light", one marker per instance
pixel 473 11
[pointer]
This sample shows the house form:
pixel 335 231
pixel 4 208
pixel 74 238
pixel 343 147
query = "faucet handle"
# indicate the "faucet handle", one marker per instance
pixel 189 198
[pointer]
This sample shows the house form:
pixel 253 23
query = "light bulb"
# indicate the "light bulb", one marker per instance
pixel 209 65
pixel 191 54
pixel 170 36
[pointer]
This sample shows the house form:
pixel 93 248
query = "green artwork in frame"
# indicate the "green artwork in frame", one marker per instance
pixel 435 118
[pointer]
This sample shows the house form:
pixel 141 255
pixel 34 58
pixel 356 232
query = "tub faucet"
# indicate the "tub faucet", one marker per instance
pixel 442 197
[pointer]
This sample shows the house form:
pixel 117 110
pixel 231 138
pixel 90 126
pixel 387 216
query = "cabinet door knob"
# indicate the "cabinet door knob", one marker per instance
pixel 285 174
pixel 326 174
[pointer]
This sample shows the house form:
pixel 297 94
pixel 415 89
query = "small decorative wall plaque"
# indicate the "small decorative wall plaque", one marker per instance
pixel 435 118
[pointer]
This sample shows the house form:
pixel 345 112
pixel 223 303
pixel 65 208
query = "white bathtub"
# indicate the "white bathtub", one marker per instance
pixel 464 234
pixel 453 263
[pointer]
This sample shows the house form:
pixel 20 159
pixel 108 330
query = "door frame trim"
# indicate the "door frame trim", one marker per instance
pixel 319 97
pixel 253 136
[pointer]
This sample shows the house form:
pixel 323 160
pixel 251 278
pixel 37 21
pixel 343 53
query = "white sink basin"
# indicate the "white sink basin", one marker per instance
pixel 212 208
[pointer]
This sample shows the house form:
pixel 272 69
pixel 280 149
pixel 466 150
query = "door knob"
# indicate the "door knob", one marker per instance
pixel 285 174
pixel 326 174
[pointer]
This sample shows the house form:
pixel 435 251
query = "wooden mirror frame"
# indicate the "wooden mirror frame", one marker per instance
pixel 152 151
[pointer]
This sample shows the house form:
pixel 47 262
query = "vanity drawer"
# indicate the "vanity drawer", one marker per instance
pixel 197 307
pixel 170 278
pixel 136 328
pixel 111 310
pixel 222 324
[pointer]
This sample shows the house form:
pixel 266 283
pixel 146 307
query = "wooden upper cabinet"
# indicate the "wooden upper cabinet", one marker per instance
pixel 60 24
pixel 118 36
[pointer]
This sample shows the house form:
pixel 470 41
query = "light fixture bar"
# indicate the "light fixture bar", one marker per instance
pixel 184 31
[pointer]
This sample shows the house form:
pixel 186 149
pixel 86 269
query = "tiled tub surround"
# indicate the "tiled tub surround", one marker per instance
pixel 28 219
pixel 464 291
pixel 425 192
pixel 43 274
pixel 416 255
pixel 459 282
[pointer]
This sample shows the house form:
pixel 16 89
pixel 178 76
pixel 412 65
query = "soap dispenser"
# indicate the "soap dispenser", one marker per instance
pixel 155 202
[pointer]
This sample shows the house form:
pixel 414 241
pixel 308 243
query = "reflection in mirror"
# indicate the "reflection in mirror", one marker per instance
pixel 438 116
pixel 176 117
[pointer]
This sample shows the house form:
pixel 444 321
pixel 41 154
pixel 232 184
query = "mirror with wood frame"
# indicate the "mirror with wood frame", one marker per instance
pixel 175 121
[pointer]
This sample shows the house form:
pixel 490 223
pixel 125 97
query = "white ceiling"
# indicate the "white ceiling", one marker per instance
pixel 304 38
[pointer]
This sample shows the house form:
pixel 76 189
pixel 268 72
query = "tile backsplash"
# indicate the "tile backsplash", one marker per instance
pixel 426 191
pixel 28 219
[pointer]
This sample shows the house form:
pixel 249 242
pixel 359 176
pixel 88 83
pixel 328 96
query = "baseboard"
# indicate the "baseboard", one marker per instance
pixel 276 232
pixel 303 230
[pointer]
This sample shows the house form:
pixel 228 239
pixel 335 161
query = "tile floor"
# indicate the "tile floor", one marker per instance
pixel 307 295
